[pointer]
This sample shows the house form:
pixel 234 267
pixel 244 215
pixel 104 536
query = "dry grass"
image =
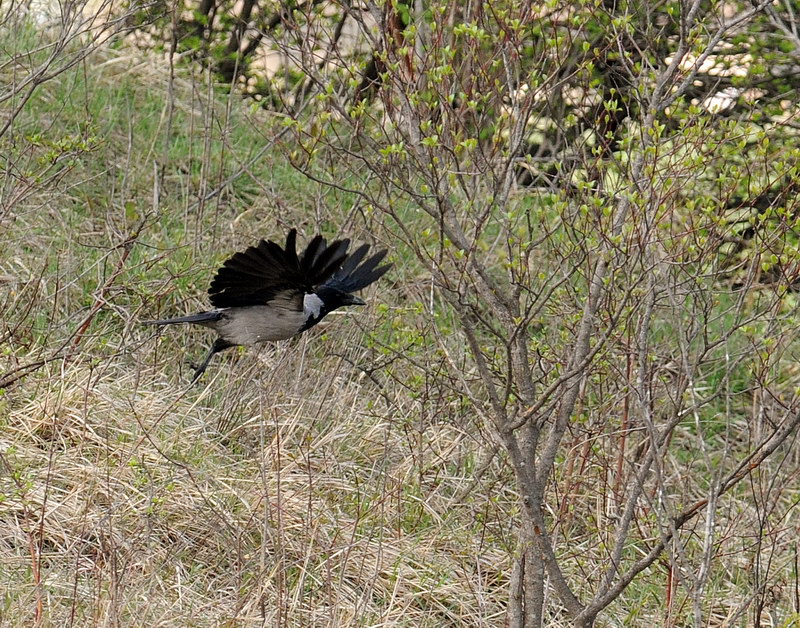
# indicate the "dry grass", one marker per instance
pixel 294 486
pixel 319 482
pixel 273 494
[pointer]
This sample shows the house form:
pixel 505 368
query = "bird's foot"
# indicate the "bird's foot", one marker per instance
pixel 198 371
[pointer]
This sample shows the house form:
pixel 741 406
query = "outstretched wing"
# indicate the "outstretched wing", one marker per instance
pixel 356 273
pixel 258 274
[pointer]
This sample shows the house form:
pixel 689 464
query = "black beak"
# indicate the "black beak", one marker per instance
pixel 354 300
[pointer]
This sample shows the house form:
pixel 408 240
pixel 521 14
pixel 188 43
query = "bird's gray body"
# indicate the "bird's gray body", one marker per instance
pixel 282 318
pixel 258 323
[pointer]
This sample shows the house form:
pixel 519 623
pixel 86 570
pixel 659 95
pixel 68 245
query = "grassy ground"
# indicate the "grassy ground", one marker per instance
pixel 294 486
pixel 317 482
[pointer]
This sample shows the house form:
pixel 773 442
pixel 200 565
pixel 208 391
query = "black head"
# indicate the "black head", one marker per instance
pixel 326 299
pixel 334 299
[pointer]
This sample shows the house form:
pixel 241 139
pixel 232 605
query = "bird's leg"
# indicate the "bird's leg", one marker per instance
pixel 219 345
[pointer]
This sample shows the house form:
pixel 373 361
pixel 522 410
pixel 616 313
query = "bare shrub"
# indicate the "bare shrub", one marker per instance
pixel 629 312
pixel 577 401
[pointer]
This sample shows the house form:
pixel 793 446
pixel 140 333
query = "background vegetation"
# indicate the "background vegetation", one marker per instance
pixel 573 401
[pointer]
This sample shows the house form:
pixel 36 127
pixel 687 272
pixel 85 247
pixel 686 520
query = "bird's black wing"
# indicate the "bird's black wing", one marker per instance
pixel 256 275
pixel 357 273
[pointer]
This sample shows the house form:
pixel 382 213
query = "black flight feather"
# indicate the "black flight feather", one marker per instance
pixel 353 260
pixel 328 261
pixel 354 275
pixel 290 251
pixel 313 248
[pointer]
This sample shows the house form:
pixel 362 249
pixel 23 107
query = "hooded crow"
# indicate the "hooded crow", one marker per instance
pixel 268 293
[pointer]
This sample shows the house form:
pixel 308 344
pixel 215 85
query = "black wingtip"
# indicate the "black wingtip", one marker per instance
pixel 355 274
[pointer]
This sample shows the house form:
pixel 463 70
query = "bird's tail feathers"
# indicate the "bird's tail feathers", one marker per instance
pixel 202 317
